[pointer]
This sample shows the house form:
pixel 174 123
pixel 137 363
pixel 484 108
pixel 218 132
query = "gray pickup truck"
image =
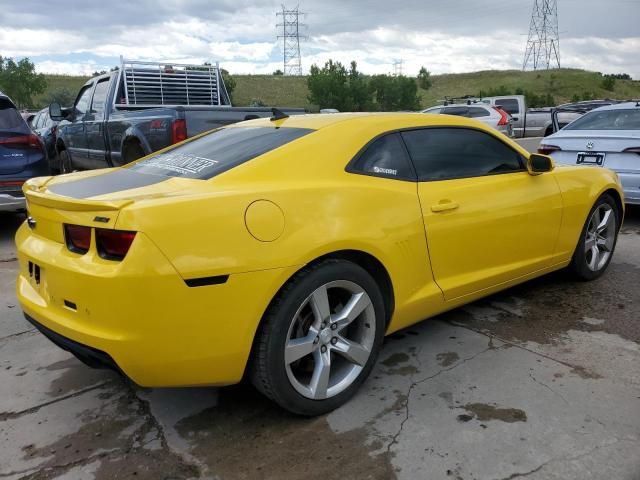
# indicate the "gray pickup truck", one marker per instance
pixel 142 107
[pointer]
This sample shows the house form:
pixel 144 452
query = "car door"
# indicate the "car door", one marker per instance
pixel 74 131
pixel 487 220
pixel 94 125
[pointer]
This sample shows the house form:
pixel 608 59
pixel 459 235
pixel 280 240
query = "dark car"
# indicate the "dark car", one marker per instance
pixel 22 156
pixel 47 129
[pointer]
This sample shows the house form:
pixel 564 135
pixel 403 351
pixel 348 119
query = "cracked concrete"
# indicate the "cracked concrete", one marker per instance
pixel 538 382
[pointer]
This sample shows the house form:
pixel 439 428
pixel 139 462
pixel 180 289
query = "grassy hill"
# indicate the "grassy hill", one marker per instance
pixel 292 91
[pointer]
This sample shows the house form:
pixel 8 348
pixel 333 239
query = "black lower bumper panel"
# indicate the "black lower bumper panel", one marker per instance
pixel 92 357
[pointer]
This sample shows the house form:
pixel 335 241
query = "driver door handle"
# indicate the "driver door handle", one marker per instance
pixel 443 206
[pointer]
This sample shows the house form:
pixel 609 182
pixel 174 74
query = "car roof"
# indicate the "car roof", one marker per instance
pixel 381 121
pixel 474 104
pixel 618 106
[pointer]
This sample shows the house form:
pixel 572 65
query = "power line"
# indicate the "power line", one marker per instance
pixel 543 43
pixel 290 35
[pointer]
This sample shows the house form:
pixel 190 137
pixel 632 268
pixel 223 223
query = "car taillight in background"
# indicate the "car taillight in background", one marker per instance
pixel 77 238
pixel 548 149
pixel 178 130
pixel 22 141
pixel 632 150
pixel 504 120
pixel 11 183
pixel 113 244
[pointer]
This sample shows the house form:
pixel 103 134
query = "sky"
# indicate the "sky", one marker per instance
pixel 445 36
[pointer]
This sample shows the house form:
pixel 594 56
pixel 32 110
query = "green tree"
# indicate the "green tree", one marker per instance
pixel 329 86
pixel 609 82
pixel 395 92
pixel 278 72
pixel 424 79
pixel 20 81
pixel 61 95
pixel 359 90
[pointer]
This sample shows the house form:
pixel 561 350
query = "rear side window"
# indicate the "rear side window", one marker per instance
pixel 475 112
pixel 459 111
pixel 446 153
pixel 384 157
pixel 619 119
pixel 100 96
pixel 10 119
pixel 509 105
pixel 218 151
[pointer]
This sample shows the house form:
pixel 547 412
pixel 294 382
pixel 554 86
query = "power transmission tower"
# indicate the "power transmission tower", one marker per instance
pixel 397 67
pixel 543 44
pixel 290 35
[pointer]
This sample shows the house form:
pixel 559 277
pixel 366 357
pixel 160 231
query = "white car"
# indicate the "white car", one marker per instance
pixel 493 116
pixel 605 137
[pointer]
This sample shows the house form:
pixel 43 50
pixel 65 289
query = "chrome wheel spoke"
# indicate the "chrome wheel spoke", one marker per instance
pixel 589 242
pixel 356 305
pixel 320 305
pixel 595 257
pixel 352 351
pixel 606 221
pixel 600 237
pixel 321 373
pixel 297 348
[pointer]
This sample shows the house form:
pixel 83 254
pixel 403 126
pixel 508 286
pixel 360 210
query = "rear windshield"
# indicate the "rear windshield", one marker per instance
pixel 620 119
pixel 509 105
pixel 10 119
pixel 218 151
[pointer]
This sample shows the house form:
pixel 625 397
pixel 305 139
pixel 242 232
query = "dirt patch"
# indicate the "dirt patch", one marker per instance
pixel 585 373
pixel 447 358
pixel 394 359
pixel 75 376
pixel 484 412
pixel 247 437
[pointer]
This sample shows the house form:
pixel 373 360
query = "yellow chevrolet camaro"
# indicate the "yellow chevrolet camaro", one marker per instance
pixel 284 249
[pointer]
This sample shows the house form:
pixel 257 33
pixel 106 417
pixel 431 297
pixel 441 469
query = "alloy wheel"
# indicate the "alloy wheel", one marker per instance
pixel 330 339
pixel 600 237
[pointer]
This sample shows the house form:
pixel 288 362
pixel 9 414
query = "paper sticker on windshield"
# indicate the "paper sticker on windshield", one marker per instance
pixel 182 163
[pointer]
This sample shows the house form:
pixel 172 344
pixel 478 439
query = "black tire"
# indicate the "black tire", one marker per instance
pixel 579 267
pixel 267 370
pixel 132 151
pixel 65 162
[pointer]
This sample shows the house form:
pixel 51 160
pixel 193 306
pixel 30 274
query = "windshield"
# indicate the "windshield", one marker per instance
pixel 619 119
pixel 218 151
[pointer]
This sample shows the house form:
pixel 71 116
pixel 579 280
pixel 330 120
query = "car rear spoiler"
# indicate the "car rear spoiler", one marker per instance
pixel 72 204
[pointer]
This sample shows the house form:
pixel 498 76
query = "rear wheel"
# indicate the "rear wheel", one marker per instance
pixel 597 240
pixel 132 151
pixel 320 338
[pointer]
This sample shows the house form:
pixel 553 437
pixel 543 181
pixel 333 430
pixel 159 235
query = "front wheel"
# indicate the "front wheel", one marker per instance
pixel 597 240
pixel 65 162
pixel 320 338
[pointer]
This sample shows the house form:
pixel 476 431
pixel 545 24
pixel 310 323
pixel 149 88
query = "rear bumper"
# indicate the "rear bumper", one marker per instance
pixel 139 316
pixel 631 186
pixel 11 203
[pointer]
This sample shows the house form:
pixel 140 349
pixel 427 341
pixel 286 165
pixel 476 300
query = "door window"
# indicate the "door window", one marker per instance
pixel 446 153
pixel 384 157
pixel 100 96
pixel 82 104
pixel 475 112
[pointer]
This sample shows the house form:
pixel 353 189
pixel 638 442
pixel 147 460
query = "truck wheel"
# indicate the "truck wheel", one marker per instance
pixel 132 151
pixel 65 162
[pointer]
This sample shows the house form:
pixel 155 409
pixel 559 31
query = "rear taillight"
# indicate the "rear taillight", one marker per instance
pixel 11 183
pixel 113 244
pixel 548 149
pixel 632 150
pixel 30 141
pixel 77 238
pixel 504 120
pixel 178 130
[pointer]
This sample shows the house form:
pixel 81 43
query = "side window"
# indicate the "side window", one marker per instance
pixel 82 104
pixel 384 157
pixel 35 121
pixel 475 112
pixel 459 111
pixel 445 153
pixel 509 105
pixel 433 110
pixel 100 96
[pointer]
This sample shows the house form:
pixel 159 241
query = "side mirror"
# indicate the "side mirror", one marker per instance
pixel 537 164
pixel 55 111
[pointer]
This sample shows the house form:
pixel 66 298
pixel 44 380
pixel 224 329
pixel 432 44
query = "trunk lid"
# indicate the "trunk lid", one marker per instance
pixel 15 146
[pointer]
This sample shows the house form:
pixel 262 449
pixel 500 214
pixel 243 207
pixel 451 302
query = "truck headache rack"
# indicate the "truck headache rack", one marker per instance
pixel 172 84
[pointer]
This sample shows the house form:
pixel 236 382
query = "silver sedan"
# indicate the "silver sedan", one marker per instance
pixel 605 137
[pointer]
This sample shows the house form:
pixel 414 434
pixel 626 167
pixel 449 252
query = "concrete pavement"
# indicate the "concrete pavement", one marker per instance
pixel 541 381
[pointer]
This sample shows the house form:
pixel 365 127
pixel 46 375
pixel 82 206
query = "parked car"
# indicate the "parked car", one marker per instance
pixel 605 137
pixel 142 107
pixel 288 248
pixel 22 156
pixel 46 128
pixel 493 116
